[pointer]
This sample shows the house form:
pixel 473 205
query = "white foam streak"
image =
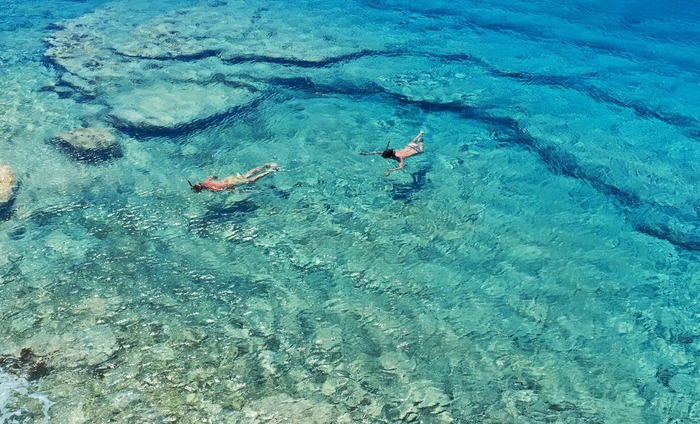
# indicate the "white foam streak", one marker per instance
pixel 14 396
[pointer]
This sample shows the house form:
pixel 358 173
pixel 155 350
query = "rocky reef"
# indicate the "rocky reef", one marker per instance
pixel 28 364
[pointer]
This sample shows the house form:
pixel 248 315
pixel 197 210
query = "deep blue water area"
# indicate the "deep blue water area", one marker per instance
pixel 537 263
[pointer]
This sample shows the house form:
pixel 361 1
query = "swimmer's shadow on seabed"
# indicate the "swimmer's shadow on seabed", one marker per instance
pixel 405 191
pixel 222 213
pixel 227 210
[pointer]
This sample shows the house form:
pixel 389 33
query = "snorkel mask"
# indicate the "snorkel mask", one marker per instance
pixel 388 153
pixel 197 187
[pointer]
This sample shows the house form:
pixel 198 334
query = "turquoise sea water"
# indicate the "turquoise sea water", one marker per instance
pixel 539 263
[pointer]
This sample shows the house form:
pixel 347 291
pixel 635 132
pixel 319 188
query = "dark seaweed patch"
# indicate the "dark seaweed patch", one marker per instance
pixel 27 364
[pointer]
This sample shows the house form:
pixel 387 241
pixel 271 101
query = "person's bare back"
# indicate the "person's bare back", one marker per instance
pixel 414 147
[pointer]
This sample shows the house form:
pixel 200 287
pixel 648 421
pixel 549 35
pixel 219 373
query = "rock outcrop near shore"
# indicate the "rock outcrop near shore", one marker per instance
pixel 8 186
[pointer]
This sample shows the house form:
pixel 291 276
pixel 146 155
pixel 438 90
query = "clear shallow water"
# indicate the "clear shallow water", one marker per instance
pixel 537 264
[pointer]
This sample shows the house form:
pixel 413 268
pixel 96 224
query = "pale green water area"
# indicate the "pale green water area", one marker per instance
pixel 538 263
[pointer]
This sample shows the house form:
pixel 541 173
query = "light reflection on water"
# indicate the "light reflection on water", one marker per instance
pixel 497 276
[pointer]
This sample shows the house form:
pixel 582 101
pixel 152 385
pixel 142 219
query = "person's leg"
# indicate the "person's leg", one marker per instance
pixel 258 169
pixel 416 147
pixel 262 174
pixel 420 141
pixel 419 137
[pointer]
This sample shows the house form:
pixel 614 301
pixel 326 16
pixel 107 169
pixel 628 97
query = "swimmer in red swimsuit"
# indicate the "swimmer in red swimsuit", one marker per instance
pixel 230 183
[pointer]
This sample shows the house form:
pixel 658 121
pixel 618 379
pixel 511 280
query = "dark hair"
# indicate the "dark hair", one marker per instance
pixel 197 187
pixel 388 154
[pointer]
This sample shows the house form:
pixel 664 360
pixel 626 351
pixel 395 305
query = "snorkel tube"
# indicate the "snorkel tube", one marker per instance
pixel 195 187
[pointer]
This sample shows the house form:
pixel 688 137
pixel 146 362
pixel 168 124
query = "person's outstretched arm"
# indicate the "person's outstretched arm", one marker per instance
pixel 395 169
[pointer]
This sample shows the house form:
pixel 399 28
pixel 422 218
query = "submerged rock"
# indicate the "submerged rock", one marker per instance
pixel 7 189
pixel 189 67
pixel 7 184
pixel 282 408
pixel 423 398
pixel 245 30
pixel 28 364
pixel 167 107
pixel 95 143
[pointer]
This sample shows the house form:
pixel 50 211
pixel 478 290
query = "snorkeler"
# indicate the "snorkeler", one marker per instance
pixel 415 147
pixel 230 183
